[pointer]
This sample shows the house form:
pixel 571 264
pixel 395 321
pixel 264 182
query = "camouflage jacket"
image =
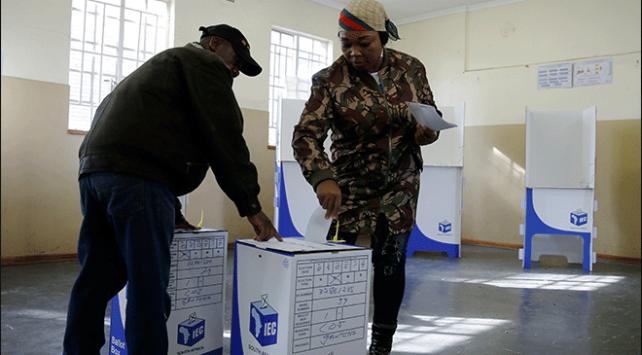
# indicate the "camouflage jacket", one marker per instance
pixel 375 159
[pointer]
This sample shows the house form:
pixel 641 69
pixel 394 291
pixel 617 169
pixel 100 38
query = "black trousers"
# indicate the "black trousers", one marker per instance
pixel 389 280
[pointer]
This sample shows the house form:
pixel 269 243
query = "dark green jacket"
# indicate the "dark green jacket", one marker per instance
pixel 169 121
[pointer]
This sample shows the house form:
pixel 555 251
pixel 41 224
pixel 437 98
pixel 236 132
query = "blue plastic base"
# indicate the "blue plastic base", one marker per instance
pixel 420 242
pixel 286 226
pixel 534 225
pixel 117 342
pixel 236 345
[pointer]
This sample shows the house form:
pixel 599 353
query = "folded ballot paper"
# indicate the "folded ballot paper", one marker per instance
pixel 427 115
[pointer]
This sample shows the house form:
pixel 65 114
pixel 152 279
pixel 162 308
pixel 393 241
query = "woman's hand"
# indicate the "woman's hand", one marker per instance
pixel 329 196
pixel 425 135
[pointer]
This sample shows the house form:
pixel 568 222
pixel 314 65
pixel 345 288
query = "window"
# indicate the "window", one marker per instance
pixel 109 40
pixel 294 58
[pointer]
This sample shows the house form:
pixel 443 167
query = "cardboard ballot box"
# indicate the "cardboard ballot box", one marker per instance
pixel 197 291
pixel 298 297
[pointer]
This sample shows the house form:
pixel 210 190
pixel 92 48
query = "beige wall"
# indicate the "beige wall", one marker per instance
pixel 617 188
pixel 40 200
pixel 488 59
pixel 218 210
pixel 494 185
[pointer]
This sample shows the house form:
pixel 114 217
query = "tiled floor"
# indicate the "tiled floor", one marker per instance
pixel 483 303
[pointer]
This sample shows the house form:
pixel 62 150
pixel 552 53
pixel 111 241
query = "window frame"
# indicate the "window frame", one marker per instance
pixel 273 99
pixel 86 40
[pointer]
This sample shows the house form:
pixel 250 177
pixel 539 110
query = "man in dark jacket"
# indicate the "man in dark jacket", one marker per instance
pixel 152 139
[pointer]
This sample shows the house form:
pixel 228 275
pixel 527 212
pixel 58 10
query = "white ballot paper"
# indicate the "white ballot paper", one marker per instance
pixel 427 115
pixel 318 226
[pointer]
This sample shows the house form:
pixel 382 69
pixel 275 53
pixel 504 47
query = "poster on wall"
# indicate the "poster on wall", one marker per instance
pixel 553 76
pixel 593 72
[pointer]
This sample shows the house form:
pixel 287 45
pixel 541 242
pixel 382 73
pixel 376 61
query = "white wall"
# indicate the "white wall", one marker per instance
pixel 35 39
pixel 482 57
pixel 489 58
pixel 35 35
pixel 255 19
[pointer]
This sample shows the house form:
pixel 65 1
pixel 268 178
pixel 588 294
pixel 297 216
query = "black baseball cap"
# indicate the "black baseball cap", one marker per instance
pixel 247 65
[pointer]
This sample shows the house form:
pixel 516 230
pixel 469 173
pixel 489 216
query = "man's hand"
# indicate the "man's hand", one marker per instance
pixel 425 135
pixel 329 196
pixel 186 225
pixel 181 222
pixel 263 227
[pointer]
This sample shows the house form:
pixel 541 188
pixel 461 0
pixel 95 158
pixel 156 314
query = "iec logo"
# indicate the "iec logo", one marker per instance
pixel 263 321
pixel 445 226
pixel 191 331
pixel 579 218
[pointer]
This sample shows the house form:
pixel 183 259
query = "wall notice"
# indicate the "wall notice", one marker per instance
pixel 593 72
pixel 552 76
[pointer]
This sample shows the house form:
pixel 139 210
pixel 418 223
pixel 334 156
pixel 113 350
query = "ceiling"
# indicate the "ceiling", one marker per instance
pixel 406 11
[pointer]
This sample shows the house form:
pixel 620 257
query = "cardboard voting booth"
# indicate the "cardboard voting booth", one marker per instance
pixel 438 222
pixel 560 183
pixel 291 187
pixel 197 291
pixel 299 297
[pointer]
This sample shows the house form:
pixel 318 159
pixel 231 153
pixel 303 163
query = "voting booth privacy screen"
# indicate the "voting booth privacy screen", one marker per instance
pixel 197 292
pixel 560 180
pixel 297 297
pixel 294 198
pixel 438 222
pixel 560 149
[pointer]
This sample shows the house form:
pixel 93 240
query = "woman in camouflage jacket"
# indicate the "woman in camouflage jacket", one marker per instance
pixel 371 184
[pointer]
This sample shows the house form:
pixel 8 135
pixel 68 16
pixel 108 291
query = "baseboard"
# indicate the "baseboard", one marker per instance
pixel 37 259
pixel 620 259
pixel 484 243
pixel 511 246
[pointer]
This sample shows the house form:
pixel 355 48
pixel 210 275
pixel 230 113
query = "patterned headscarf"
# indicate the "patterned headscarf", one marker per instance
pixel 367 15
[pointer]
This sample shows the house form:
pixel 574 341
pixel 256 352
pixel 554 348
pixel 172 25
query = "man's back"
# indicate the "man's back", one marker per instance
pixel 148 126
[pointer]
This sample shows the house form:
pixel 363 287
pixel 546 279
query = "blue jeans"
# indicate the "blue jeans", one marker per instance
pixel 125 236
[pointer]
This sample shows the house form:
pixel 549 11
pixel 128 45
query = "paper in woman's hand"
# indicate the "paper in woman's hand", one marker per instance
pixel 426 115
pixel 318 226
